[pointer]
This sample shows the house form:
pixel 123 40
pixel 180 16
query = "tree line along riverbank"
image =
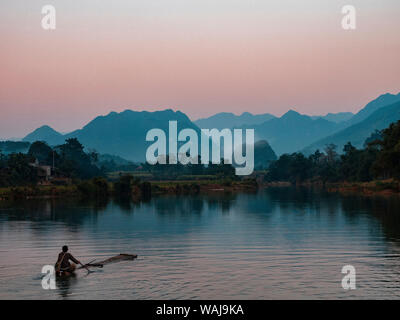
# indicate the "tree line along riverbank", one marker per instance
pixel 377 187
pixel 126 186
pixel 372 169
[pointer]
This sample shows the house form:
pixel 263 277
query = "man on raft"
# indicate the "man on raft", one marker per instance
pixel 63 266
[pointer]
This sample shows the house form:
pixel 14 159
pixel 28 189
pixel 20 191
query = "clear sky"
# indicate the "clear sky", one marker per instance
pixel 197 56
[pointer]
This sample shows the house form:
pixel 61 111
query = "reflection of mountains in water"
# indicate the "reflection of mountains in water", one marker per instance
pixel 262 205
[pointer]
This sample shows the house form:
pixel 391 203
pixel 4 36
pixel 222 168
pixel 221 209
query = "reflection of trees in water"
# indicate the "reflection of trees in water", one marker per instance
pixel 222 201
pixel 185 205
pixel 176 205
pixel 128 205
pixel 72 212
pixel 385 209
pixel 125 204
pixel 386 212
pixel 259 203
pixel 303 199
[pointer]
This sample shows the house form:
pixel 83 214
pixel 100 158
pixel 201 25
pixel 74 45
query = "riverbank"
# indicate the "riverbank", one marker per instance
pixel 376 187
pixel 203 186
pixel 380 187
pixel 38 192
pixel 157 187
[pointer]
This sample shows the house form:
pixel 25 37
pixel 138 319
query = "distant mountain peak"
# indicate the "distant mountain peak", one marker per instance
pixel 44 133
pixel 261 143
pixel 46 127
pixel 291 114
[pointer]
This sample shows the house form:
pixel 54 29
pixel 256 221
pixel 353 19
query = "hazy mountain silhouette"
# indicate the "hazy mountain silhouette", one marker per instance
pixel 263 155
pixel 359 132
pixel 293 131
pixel 229 120
pixel 47 134
pixel 383 100
pixel 336 117
pixel 113 158
pixel 122 134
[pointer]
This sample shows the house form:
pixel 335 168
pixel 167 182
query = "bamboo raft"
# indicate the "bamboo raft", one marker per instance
pixel 118 258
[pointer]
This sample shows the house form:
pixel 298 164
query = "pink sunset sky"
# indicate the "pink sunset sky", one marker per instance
pixel 197 56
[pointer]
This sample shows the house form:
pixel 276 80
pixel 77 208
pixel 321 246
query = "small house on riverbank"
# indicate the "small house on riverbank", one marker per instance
pixel 47 175
pixel 44 173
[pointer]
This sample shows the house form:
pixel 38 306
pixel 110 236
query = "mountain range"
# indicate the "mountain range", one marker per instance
pixel 336 117
pixel 296 132
pixel 374 105
pixel 123 134
pixel 229 120
pixel 293 131
pixel 359 132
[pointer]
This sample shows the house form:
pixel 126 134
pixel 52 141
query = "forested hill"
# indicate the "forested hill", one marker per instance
pixel 359 132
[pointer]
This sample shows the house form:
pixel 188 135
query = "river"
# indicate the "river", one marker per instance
pixel 278 243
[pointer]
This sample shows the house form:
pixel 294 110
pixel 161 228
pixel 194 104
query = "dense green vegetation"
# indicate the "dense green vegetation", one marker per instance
pixel 379 159
pixel 175 171
pixel 69 161
pixel 15 170
pixel 72 161
pixel 94 188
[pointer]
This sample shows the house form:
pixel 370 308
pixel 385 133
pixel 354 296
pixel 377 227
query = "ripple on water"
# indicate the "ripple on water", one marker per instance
pixel 276 244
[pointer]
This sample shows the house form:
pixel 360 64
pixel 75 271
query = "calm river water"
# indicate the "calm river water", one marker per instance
pixel 279 243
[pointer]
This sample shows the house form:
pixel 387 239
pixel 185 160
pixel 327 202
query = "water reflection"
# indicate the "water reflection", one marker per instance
pixel 301 200
pixel 277 243
pixel 65 285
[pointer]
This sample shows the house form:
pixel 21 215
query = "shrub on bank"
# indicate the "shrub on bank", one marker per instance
pixel 96 187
